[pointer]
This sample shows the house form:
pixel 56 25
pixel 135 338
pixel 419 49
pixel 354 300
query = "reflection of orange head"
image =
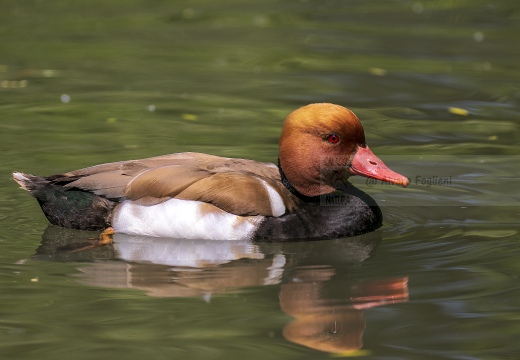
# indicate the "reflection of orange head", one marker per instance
pixel 333 325
pixel 336 332
pixel 321 324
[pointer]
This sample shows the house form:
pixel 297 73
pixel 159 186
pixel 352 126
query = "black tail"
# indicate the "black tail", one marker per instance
pixel 68 207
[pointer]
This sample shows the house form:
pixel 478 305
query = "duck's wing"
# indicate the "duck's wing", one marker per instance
pixel 110 180
pixel 238 186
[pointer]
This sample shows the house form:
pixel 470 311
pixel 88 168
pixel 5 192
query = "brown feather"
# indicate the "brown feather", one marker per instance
pixel 233 185
pixel 233 192
pixel 110 184
pixel 163 181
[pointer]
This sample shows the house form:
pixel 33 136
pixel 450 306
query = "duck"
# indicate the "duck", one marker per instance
pixel 305 196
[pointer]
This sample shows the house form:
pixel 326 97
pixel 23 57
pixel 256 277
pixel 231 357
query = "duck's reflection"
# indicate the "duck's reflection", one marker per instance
pixel 328 315
pixel 326 303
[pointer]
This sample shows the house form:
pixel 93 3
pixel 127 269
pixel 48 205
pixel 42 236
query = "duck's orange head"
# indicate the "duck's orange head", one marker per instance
pixel 322 144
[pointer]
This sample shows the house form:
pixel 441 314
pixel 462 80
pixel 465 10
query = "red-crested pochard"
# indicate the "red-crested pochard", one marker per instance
pixel 199 196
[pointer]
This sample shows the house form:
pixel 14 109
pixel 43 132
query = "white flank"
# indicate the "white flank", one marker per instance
pixel 275 200
pixel 182 219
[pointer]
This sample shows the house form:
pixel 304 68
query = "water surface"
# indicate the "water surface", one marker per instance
pixel 435 84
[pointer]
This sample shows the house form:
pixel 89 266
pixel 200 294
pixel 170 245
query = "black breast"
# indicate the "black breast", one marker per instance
pixel 335 215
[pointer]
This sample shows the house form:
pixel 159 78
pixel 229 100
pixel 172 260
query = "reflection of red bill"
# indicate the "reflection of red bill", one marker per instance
pixel 365 163
pixel 379 292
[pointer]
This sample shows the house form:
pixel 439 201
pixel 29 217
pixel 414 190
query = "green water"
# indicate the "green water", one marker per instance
pixel 436 85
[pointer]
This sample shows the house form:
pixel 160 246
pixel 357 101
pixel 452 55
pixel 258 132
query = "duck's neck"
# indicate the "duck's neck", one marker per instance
pixel 293 190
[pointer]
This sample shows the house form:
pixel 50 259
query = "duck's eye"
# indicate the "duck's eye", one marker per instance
pixel 333 138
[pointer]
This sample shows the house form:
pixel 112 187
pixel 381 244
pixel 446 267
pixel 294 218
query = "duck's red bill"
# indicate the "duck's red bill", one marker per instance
pixel 365 163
